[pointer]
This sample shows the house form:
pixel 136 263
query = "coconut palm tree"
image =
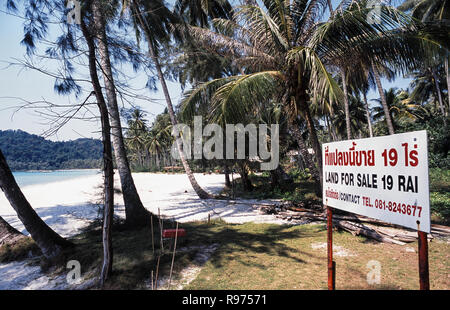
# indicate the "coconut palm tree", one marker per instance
pixel 50 243
pixel 431 11
pixel 284 52
pixel 357 117
pixel 401 107
pixel 136 214
pixel 136 135
pixel 108 190
pixel 153 18
pixel 159 139
pixel 200 12
pixel 428 82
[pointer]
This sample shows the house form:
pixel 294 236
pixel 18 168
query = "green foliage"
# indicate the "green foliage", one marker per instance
pixel 25 151
pixel 438 139
pixel 440 194
pixel 302 189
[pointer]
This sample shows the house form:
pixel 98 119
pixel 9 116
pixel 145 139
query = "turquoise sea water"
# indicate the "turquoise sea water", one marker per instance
pixel 25 178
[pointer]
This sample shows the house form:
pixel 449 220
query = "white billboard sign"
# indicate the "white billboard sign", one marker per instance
pixel 385 178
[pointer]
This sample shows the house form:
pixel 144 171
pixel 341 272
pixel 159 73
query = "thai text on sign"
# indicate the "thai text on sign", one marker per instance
pixel 385 178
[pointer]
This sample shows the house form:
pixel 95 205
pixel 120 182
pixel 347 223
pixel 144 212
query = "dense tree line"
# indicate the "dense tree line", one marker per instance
pixel 25 151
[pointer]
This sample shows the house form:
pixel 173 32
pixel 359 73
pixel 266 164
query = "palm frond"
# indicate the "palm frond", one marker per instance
pixel 236 100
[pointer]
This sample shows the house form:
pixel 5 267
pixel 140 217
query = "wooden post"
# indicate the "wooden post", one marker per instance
pixel 423 261
pixel 331 264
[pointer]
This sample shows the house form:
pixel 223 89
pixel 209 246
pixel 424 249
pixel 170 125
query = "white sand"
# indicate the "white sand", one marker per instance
pixel 68 206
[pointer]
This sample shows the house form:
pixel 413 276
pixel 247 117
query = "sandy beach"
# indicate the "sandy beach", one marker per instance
pixel 67 206
pixel 70 205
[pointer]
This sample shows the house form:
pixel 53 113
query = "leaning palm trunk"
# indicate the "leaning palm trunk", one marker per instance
pixel 315 143
pixel 152 51
pixel 387 115
pixel 108 210
pixel 346 105
pixel 136 214
pixel 301 99
pixel 50 243
pixel 8 234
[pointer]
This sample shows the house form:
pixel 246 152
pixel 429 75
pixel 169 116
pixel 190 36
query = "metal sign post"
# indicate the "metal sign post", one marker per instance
pixel 331 263
pixel 424 278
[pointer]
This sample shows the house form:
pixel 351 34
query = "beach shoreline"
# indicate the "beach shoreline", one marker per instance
pixel 71 205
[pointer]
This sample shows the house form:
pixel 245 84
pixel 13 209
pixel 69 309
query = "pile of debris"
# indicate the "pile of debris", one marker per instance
pixel 355 224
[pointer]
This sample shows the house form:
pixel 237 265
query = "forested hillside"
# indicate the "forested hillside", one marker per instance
pixel 25 151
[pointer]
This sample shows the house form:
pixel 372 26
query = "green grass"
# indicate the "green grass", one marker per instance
pixel 274 257
pixel 260 256
pixel 440 195
pixel 134 259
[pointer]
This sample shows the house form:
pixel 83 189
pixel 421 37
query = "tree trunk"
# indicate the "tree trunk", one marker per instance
pixel 313 137
pixel 245 180
pixel 438 92
pixel 152 51
pixel 447 75
pixel 369 121
pixel 227 175
pixel 301 96
pixel 387 115
pixel 304 151
pixel 346 105
pixel 50 243
pixel 136 214
pixel 108 209
pixel 8 234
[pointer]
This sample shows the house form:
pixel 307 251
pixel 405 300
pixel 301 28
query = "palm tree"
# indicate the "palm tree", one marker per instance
pixel 136 214
pixel 383 100
pixel 428 83
pixel 399 47
pixel 50 243
pixel 160 139
pixel 430 11
pixel 153 20
pixel 199 12
pixel 401 107
pixel 362 78
pixel 284 53
pixel 357 116
pixel 108 166
pixel 136 135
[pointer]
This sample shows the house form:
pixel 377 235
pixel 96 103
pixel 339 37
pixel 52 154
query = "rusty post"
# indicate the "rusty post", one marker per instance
pixel 331 264
pixel 423 261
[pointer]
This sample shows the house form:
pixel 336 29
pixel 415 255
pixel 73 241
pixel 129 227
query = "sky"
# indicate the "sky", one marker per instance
pixel 18 85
